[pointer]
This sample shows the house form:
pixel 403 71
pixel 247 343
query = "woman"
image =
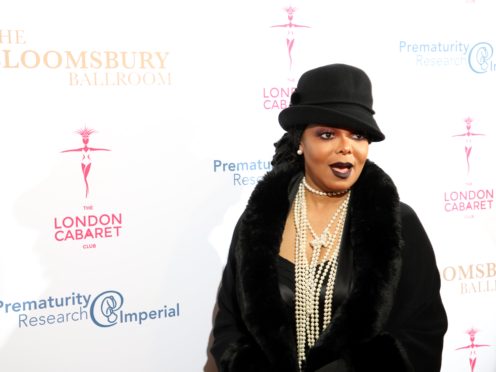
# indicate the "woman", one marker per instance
pixel 328 270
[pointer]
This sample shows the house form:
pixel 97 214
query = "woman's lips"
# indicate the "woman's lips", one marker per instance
pixel 341 170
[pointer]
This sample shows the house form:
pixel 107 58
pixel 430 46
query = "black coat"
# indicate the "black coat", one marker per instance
pixel 393 318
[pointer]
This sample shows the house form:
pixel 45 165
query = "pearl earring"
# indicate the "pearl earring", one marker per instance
pixel 299 152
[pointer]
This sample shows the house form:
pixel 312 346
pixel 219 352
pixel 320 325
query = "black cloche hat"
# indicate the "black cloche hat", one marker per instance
pixel 339 95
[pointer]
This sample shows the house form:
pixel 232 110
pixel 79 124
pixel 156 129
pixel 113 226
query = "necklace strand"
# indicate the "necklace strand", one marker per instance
pixel 322 193
pixel 311 277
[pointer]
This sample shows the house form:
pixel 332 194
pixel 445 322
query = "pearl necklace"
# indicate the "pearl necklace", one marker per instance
pixel 310 277
pixel 322 193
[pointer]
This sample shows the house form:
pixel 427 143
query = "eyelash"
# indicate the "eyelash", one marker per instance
pixel 327 135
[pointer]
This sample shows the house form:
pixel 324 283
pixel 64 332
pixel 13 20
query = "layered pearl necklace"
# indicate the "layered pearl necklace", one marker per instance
pixel 310 277
pixel 322 193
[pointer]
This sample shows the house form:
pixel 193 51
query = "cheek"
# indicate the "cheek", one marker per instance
pixel 362 152
pixel 316 156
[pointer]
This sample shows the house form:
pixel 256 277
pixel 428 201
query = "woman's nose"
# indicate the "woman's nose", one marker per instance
pixel 344 145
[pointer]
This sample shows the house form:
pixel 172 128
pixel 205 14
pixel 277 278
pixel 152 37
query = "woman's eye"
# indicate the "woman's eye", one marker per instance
pixel 326 135
pixel 358 136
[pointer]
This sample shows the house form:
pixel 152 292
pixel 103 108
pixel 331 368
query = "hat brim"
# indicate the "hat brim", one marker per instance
pixel 350 117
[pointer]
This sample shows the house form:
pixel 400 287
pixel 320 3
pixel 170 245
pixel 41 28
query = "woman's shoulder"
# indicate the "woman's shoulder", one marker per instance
pixel 406 210
pixel 408 214
pixel 413 231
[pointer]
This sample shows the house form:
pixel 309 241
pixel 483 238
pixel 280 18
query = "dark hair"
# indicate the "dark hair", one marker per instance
pixel 286 148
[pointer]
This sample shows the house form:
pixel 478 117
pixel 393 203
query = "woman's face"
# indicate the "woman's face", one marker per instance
pixel 334 158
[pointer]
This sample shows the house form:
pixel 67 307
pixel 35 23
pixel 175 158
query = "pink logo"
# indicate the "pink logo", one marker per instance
pixel 86 151
pixel 290 39
pixel 472 348
pixel 468 141
pixel 468 200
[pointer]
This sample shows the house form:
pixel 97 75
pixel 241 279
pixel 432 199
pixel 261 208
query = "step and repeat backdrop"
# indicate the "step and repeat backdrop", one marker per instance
pixel 132 133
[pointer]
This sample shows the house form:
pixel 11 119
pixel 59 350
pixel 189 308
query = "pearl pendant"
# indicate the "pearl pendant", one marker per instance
pixel 319 242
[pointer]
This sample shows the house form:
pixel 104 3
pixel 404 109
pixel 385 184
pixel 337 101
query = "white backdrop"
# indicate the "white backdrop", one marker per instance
pixel 179 100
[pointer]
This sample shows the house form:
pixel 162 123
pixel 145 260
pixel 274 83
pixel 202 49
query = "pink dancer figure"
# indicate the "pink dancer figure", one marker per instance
pixel 472 348
pixel 86 160
pixel 468 140
pixel 290 35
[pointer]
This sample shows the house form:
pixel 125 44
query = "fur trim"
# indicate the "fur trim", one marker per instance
pixel 263 310
pixel 374 234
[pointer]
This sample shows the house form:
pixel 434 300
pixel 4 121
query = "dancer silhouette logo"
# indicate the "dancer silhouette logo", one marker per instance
pixel 472 348
pixel 468 135
pixel 472 198
pixel 93 223
pixel 277 97
pixel 290 28
pixel 86 152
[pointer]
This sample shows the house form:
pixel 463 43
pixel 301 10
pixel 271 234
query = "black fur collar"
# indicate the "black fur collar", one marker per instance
pixel 375 234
